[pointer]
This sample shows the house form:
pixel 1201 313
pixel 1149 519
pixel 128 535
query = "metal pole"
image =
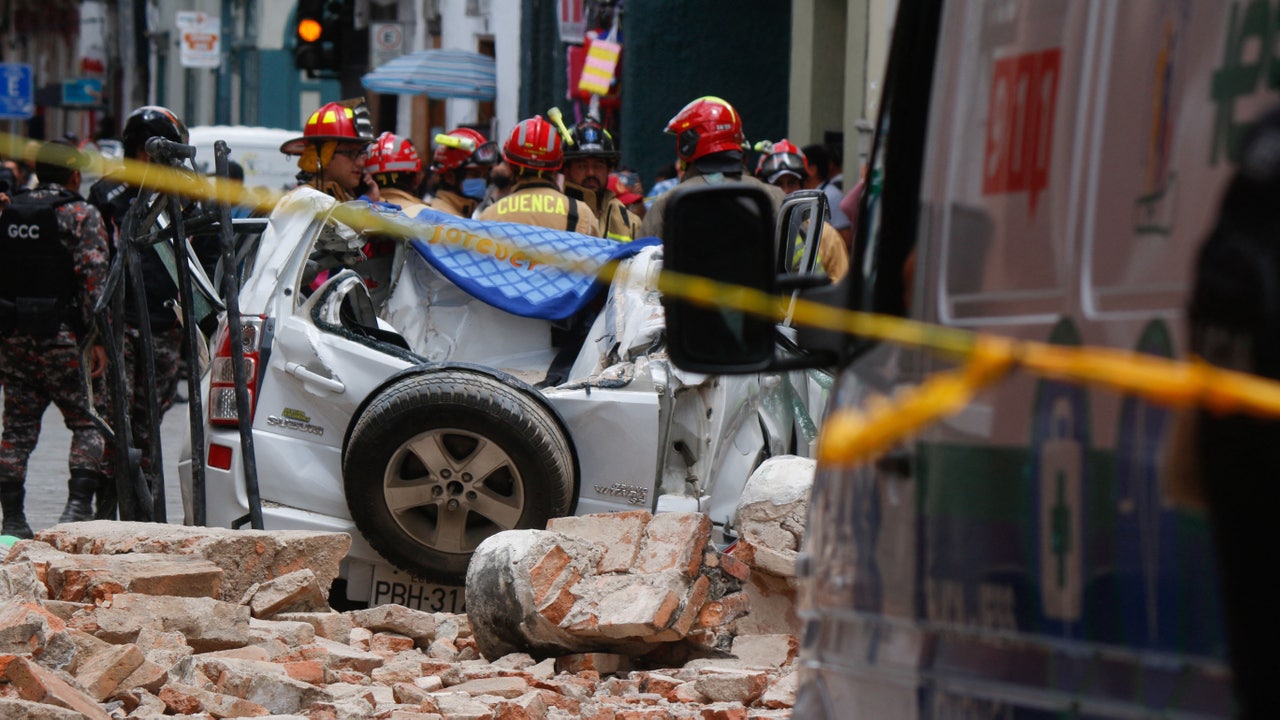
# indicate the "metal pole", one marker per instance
pixel 222 109
pixel 109 313
pixel 239 370
pixel 146 349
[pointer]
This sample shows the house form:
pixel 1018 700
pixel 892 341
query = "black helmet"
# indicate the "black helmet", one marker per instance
pixel 151 121
pixel 590 139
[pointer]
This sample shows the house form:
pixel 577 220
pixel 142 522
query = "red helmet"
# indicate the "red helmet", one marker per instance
pixel 463 147
pixel 534 144
pixel 782 156
pixel 346 121
pixel 706 125
pixel 392 154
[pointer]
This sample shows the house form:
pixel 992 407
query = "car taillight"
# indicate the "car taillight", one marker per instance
pixel 222 382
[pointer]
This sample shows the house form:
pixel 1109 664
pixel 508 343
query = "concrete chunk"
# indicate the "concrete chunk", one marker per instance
pixel 416 624
pixel 732 686
pixel 188 699
pixel 457 706
pixel 288 632
pixel 297 591
pixel 103 672
pixel 148 676
pixel 618 535
pixel 42 685
pixel 330 625
pixel 21 581
pixel 341 657
pixel 766 650
pixel 674 541
pixel 67 649
pixel 507 687
pixel 15 709
pixel 205 623
pixel 245 556
pixel 95 578
pixel 26 627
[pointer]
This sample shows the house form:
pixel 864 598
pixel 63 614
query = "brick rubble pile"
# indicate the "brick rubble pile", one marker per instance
pixel 113 620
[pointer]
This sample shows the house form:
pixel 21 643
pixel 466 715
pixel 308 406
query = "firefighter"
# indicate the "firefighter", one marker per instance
pixel 588 160
pixel 396 171
pixel 332 150
pixel 535 153
pixel 784 166
pixel 709 144
pixel 461 164
pixel 394 166
pixel 56 260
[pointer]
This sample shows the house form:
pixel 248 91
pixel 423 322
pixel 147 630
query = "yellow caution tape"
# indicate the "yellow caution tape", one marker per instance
pixel 849 436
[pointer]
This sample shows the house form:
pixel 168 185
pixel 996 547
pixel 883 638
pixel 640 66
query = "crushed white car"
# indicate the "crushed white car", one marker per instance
pixel 390 404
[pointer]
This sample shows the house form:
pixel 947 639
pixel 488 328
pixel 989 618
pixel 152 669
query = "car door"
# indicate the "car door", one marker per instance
pixel 324 363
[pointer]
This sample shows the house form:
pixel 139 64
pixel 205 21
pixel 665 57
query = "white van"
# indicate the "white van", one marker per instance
pixel 1046 170
pixel 257 149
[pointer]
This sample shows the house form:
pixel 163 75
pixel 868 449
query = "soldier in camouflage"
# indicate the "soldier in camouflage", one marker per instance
pixel 56 259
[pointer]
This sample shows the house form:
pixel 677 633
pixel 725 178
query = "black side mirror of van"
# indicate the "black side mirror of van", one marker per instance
pixel 726 233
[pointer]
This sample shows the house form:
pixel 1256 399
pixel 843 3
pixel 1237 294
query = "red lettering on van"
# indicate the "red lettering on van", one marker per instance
pixel 1020 114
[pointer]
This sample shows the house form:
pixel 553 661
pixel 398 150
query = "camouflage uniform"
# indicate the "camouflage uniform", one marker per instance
pixel 38 370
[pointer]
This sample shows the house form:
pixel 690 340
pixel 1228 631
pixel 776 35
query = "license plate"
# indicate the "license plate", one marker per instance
pixel 392 587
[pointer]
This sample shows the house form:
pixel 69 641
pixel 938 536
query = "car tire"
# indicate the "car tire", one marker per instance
pixel 439 462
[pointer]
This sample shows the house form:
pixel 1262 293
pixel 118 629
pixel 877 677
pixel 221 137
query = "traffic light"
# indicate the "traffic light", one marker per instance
pixel 317 32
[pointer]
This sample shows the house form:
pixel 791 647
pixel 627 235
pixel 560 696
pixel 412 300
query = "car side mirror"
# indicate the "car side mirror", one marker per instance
pixel 801 219
pixel 722 232
pixel 726 233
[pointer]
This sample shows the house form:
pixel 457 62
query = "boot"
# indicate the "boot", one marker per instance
pixel 12 495
pixel 80 490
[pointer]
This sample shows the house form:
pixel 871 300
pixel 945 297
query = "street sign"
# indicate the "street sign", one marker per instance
pixel 82 91
pixel 573 23
pixel 199 39
pixel 386 42
pixel 17 92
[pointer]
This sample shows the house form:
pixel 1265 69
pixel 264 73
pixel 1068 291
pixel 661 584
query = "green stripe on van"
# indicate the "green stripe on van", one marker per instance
pixel 994 483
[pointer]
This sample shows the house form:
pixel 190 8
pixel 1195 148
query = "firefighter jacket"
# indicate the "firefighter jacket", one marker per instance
pixel 539 202
pixel 409 203
pixel 833 254
pixel 448 201
pixel 615 220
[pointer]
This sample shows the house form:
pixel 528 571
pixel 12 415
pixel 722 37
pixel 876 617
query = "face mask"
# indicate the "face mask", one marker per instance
pixel 474 188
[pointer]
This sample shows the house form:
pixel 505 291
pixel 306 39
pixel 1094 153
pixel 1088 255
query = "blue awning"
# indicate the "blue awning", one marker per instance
pixel 437 73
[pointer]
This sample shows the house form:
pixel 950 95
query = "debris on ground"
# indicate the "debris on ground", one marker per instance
pixel 134 620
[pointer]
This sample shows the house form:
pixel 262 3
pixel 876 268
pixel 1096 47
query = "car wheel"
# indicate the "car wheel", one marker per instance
pixel 439 462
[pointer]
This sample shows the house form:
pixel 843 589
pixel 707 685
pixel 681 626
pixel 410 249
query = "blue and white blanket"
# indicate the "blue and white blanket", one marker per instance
pixel 499 262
